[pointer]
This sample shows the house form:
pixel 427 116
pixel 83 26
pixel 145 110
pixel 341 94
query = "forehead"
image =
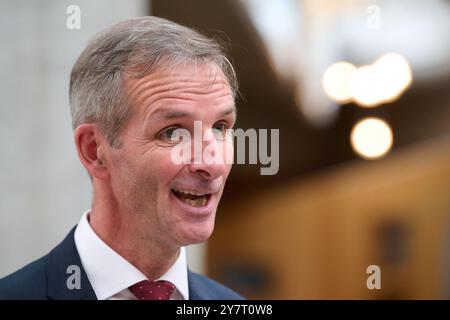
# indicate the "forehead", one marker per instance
pixel 186 83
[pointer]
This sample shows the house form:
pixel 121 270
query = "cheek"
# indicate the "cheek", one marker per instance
pixel 131 171
pixel 135 176
pixel 127 176
pixel 228 154
pixel 228 169
pixel 163 166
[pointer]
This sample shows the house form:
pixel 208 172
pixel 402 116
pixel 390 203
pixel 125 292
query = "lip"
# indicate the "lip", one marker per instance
pixel 196 212
pixel 199 190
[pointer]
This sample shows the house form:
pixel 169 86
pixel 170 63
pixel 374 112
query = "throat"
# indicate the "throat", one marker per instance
pixel 149 255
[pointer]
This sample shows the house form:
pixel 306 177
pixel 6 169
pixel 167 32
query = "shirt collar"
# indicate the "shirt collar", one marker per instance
pixel 109 273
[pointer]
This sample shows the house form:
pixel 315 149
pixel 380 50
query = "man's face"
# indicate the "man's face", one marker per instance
pixel 169 202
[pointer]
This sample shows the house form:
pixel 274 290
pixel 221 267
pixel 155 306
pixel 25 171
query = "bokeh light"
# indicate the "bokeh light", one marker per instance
pixel 336 81
pixel 371 138
pixel 383 81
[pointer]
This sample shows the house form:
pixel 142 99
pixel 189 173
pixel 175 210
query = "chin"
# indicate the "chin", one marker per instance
pixel 194 234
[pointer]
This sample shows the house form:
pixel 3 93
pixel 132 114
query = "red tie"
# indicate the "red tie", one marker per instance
pixel 152 290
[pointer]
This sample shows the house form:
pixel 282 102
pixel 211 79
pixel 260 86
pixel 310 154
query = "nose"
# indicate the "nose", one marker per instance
pixel 207 171
pixel 208 161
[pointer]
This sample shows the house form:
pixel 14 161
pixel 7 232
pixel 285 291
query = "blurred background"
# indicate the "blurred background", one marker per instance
pixel 360 93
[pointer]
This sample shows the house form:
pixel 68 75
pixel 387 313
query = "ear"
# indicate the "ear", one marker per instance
pixel 90 144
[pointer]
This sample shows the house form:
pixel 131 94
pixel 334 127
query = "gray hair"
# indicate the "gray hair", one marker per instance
pixel 148 43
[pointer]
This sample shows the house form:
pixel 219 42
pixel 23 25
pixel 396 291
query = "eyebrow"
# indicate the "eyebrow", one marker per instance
pixel 170 113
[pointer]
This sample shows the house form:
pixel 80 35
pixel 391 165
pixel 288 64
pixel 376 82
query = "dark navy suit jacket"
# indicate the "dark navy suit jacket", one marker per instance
pixel 46 278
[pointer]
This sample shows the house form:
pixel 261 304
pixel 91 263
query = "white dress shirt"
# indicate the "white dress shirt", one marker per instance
pixel 110 274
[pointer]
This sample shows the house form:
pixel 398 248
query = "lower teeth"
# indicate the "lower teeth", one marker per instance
pixel 199 202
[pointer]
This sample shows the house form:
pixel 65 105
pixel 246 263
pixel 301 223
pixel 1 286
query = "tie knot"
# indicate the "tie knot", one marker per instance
pixel 152 290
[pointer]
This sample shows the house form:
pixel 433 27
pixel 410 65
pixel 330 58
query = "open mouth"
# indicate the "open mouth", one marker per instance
pixel 192 198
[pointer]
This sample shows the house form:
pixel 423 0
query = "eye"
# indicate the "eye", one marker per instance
pixel 169 134
pixel 220 129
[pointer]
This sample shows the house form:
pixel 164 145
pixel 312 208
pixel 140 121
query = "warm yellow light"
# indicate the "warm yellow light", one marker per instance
pixel 381 82
pixel 364 85
pixel 336 81
pixel 371 85
pixel 395 76
pixel 371 138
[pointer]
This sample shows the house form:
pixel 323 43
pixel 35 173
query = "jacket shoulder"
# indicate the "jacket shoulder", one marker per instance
pixel 202 287
pixel 29 282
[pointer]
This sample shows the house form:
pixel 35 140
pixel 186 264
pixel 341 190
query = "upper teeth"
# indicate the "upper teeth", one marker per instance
pixel 190 192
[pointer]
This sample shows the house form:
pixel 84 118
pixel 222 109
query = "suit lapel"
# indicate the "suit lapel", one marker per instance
pixel 62 263
pixel 198 290
pixel 194 293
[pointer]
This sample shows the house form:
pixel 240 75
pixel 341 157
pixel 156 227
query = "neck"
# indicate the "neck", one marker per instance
pixel 130 235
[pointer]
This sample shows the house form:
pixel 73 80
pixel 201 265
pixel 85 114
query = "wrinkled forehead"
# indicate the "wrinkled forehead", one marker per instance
pixel 189 77
pixel 194 86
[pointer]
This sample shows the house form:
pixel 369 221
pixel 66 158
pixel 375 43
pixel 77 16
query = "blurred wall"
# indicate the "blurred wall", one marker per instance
pixel 44 189
pixel 315 238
